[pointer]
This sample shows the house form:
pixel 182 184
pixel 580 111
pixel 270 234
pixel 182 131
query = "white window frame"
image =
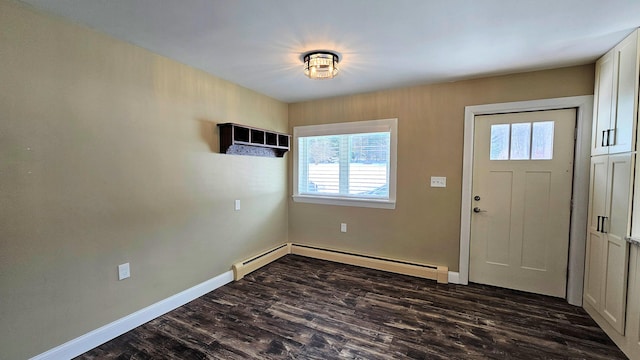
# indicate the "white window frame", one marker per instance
pixel 357 127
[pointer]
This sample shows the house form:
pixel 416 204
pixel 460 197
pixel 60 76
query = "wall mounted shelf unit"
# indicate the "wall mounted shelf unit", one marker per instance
pixel 246 140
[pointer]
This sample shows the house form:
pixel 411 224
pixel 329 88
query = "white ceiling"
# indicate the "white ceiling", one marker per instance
pixel 383 43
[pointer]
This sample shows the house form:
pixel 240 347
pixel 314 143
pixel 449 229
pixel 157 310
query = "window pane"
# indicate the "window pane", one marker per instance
pixel 369 165
pixel 499 142
pixel 520 141
pixel 542 141
pixel 346 165
pixel 320 157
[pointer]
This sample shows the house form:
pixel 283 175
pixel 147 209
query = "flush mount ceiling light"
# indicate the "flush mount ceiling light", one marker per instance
pixel 321 65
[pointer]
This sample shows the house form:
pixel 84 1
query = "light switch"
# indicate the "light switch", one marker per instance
pixel 237 206
pixel 123 271
pixel 438 181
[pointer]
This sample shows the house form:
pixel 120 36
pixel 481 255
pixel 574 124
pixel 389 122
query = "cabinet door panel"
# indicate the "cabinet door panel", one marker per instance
pixel 633 309
pixel 597 190
pixel 594 266
pixel 618 204
pixel 615 284
pixel 603 94
pixel 623 116
pixel 594 269
pixel 614 291
pixel 595 239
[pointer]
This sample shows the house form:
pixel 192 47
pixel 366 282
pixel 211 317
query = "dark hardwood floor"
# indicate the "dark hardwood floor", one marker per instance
pixel 302 308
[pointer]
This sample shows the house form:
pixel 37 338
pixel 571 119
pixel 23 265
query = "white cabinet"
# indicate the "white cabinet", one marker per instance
pixel 612 265
pixel 609 225
pixel 616 99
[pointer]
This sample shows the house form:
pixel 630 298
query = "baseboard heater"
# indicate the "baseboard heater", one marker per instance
pixel 242 268
pixel 433 272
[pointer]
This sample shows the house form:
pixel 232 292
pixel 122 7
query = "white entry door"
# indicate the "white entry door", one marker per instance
pixel 522 182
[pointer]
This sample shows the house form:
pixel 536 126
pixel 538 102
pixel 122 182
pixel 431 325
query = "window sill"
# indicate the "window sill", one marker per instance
pixel 342 201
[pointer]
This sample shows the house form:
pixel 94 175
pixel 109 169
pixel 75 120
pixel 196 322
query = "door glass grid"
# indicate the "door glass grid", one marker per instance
pixel 522 141
pixel 542 144
pixel 500 142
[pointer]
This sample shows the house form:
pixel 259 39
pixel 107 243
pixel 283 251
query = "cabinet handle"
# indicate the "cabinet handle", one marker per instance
pixel 602 144
pixel 602 227
pixel 598 226
pixel 609 142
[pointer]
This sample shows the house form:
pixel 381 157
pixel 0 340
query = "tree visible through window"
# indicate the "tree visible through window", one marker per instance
pixel 355 165
pixel 352 165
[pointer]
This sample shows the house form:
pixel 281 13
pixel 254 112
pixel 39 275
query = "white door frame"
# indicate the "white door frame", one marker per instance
pixel 580 196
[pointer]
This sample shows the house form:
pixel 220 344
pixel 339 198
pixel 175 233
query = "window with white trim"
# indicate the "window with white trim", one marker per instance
pixel 349 164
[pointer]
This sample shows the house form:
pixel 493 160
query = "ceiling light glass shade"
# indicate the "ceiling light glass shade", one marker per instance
pixel 321 65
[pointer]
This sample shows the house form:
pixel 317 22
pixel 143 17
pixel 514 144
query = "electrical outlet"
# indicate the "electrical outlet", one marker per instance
pixel 438 181
pixel 237 206
pixel 343 227
pixel 123 271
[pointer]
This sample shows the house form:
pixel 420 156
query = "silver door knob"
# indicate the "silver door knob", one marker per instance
pixel 477 210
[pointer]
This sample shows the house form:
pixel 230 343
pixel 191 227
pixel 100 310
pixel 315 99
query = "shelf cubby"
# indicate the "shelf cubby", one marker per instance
pixel 257 136
pixel 241 134
pixel 247 140
pixel 271 139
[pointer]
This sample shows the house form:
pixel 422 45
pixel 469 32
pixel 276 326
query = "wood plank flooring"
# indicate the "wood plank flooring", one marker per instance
pixel 302 308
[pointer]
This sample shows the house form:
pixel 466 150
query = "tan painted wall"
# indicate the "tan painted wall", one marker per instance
pixel 425 226
pixel 108 154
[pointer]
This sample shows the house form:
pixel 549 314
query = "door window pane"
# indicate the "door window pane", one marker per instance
pixel 520 141
pixel 542 143
pixel 499 142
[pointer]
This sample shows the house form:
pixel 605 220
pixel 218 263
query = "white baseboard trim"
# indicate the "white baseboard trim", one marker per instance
pixel 454 277
pixel 99 336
